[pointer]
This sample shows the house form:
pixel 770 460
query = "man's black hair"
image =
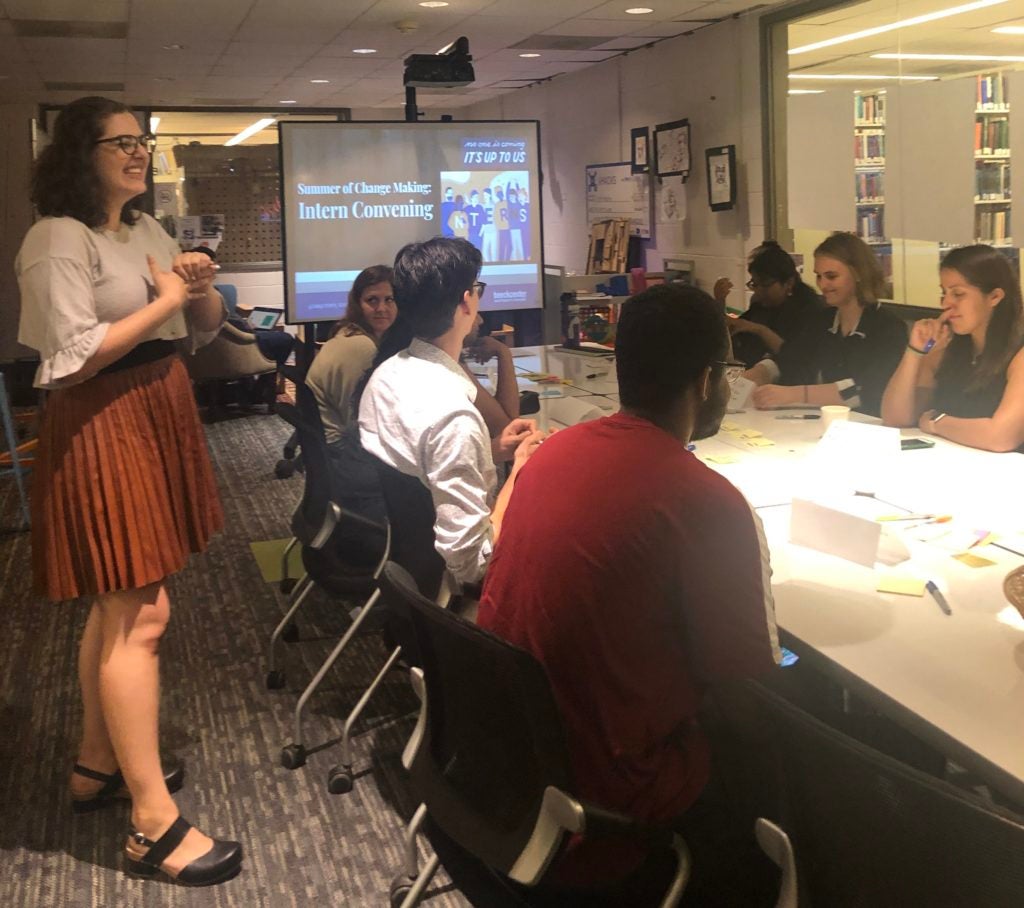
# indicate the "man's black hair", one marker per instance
pixel 666 337
pixel 430 280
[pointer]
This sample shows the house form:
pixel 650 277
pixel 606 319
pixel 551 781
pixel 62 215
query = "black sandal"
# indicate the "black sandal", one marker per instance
pixel 113 790
pixel 219 864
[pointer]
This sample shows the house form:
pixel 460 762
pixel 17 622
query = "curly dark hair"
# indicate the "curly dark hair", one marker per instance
pixel 64 181
pixel 353 321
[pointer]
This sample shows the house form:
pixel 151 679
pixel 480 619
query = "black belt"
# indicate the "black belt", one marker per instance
pixel 146 352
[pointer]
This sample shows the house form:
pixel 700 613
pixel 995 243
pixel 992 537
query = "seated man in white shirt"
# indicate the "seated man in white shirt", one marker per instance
pixel 417 412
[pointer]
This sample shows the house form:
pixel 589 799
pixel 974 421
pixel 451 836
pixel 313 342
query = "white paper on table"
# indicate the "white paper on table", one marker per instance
pixel 739 394
pixel 853 456
pixel 817 526
pixel 568 411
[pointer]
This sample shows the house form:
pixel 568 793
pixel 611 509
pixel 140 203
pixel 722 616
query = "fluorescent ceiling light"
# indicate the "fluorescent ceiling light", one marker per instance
pixel 154 124
pixel 250 131
pixel 529 55
pixel 365 50
pixel 850 77
pixel 902 23
pixel 1009 30
pixel 967 58
pixel 320 81
pixel 807 91
pixel 433 4
pixel 292 101
pixel 639 10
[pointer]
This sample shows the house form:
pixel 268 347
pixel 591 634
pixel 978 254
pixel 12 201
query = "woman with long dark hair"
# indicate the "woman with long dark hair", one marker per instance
pixel 123 489
pixel 962 374
pixel 848 351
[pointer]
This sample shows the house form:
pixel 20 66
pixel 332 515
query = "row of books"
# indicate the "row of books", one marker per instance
pixel 992 94
pixel 871 224
pixel 992 181
pixel 869 109
pixel 993 226
pixel 869 146
pixel 992 136
pixel 870 187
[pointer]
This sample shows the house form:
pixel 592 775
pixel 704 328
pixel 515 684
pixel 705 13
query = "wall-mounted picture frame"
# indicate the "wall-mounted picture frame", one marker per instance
pixel 721 167
pixel 640 142
pixel 672 149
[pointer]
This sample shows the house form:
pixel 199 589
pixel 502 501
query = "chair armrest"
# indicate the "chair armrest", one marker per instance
pixel 236 335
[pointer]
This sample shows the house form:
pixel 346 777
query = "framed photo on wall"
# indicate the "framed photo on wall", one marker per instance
pixel 640 139
pixel 721 164
pixel 672 149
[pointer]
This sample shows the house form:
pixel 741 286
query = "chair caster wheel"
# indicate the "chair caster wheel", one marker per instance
pixel 340 781
pixel 293 756
pixel 287 585
pixel 284 469
pixel 400 887
pixel 275 680
pixel 290 634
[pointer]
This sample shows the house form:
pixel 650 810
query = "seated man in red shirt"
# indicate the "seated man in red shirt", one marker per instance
pixel 634 573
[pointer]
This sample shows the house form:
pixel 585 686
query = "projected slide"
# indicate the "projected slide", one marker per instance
pixel 355 193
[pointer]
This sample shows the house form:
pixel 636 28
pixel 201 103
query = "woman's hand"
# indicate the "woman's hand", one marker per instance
pixel 722 288
pixel 169 284
pixel 768 397
pixel 931 329
pixel 507 444
pixel 197 270
pixel 926 423
pixel 528 447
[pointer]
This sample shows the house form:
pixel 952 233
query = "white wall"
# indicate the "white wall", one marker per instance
pixel 711 78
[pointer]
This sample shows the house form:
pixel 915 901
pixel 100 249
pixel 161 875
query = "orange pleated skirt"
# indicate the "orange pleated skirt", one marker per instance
pixel 122 489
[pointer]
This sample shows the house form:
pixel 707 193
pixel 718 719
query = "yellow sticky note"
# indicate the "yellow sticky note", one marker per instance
pixel 972 560
pixel 897 583
pixel 730 427
pixel 720 458
pixel 760 442
pixel 750 433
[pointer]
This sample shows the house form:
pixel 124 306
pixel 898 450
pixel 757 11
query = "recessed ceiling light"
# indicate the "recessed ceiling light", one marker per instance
pixel 902 23
pixel 639 10
pixel 173 46
pixel 807 91
pixel 968 58
pixel 251 130
pixel 433 4
pixel 529 55
pixel 320 81
pixel 286 102
pixel 866 77
pixel 365 50
pixel 1009 30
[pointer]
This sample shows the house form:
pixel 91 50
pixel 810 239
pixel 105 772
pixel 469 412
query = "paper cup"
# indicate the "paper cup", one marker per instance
pixel 832 414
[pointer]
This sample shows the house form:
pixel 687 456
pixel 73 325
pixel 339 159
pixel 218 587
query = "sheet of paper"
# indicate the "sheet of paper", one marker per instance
pixel 900 583
pixel 834 532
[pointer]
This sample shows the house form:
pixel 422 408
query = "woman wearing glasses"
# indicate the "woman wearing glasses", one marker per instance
pixel 779 308
pixel 123 489
pixel 847 351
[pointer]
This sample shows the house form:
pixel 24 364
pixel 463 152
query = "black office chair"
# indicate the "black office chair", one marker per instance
pixel 411 544
pixel 343 564
pixel 868 830
pixel 488 757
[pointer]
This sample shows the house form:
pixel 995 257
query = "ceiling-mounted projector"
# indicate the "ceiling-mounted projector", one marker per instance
pixel 450 67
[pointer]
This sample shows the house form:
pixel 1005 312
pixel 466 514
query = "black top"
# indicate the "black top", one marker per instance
pixel 861 362
pixel 952 394
pixel 787 321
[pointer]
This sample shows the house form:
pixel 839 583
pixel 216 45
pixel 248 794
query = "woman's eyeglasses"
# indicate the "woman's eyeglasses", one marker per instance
pixel 129 144
pixel 760 285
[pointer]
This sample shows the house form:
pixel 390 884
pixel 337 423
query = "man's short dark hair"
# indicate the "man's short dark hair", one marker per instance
pixel 430 279
pixel 666 337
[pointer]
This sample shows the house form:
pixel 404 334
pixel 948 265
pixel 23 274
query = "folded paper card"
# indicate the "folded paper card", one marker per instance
pixel 568 411
pixel 834 532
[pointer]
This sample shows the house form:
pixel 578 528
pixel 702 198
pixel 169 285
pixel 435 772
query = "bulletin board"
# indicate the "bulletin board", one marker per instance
pixel 615 192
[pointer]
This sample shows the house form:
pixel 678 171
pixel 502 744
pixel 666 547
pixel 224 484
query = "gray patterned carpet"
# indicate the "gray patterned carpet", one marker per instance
pixel 303 845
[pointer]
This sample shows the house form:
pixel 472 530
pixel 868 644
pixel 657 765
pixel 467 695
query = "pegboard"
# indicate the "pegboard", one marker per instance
pixel 243 184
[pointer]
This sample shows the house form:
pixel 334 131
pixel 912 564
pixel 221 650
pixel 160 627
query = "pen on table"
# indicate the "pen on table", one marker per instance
pixel 595 374
pixel 801 416
pixel 938 597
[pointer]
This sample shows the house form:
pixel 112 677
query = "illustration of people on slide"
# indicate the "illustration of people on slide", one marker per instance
pixel 490 209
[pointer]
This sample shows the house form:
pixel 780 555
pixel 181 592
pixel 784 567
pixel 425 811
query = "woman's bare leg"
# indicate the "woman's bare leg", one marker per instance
pixel 95 751
pixel 132 623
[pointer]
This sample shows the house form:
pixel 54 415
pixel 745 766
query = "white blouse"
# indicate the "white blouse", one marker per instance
pixel 76 281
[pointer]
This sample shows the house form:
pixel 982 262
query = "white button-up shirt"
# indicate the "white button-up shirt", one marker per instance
pixel 417 415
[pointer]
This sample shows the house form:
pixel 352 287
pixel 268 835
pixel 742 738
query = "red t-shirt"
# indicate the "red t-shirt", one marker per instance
pixel 635 575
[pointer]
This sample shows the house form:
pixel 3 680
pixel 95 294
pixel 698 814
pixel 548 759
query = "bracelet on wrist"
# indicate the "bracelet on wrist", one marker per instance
pixel 915 350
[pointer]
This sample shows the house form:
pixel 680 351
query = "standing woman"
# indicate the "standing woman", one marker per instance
pixel 848 351
pixel 123 489
pixel 962 374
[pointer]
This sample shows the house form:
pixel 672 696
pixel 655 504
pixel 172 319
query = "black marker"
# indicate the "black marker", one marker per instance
pixel 801 416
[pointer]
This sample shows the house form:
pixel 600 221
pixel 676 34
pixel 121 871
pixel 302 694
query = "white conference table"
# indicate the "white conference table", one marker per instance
pixel 956 681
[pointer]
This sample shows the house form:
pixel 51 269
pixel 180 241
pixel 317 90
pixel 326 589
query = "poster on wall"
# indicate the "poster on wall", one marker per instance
pixel 672 201
pixel 672 148
pixel 614 191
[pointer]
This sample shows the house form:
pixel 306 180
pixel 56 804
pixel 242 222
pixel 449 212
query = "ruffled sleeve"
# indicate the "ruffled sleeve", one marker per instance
pixel 58 311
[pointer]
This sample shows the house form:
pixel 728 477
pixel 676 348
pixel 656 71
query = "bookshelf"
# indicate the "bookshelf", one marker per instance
pixel 992 192
pixel 869 174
